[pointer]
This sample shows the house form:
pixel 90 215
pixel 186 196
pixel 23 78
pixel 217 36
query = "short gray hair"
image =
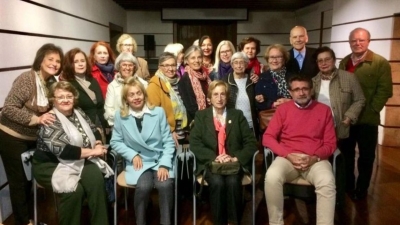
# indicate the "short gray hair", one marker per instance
pixel 174 48
pixel 126 57
pixel 165 56
pixel 239 55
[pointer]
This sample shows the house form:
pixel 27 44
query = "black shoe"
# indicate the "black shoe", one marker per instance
pixel 359 194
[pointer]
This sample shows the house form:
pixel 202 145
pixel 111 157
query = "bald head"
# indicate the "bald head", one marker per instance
pixel 298 37
pixel 359 40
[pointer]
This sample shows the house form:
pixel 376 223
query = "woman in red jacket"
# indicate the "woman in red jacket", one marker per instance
pixel 102 60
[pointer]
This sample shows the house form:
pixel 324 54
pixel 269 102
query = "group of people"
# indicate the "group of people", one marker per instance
pixel 210 99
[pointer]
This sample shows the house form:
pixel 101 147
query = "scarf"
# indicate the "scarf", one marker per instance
pixel 221 128
pixel 254 65
pixel 66 176
pixel 195 78
pixel 224 69
pixel 41 91
pixel 85 86
pixel 107 70
pixel 176 102
pixel 280 80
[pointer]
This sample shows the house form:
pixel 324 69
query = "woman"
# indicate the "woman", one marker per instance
pixel 177 50
pixel 241 88
pixel 102 59
pixel 76 71
pixel 126 43
pixel 271 90
pixel 26 107
pixel 222 66
pixel 228 129
pixel 163 91
pixel 127 65
pixel 66 159
pixel 251 47
pixel 206 46
pixel 194 84
pixel 339 90
pixel 143 137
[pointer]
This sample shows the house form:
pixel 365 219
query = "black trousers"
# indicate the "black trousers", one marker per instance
pixel 366 137
pixel 11 149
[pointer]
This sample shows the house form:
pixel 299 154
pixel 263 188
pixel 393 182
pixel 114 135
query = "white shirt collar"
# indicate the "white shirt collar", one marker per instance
pixel 301 107
pixel 141 113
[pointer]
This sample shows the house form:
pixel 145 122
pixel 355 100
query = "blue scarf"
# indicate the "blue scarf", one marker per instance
pixel 224 69
pixel 107 70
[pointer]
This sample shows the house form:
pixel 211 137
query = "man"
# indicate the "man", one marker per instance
pixel 374 73
pixel 301 57
pixel 302 135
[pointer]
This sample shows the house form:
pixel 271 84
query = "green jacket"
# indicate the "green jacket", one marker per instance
pixel 375 77
pixel 240 141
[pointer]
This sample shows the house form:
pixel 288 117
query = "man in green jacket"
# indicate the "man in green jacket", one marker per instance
pixel 374 73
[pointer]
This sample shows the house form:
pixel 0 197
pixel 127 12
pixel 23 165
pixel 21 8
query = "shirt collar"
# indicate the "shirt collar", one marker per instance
pixel 302 52
pixel 301 107
pixel 141 113
pixel 215 113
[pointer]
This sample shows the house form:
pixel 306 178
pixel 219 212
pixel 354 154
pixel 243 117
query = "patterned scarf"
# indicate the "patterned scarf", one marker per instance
pixel 280 80
pixel 254 65
pixel 176 102
pixel 195 78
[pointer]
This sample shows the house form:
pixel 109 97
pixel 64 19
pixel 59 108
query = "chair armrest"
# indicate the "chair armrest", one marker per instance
pixel 335 155
pixel 268 152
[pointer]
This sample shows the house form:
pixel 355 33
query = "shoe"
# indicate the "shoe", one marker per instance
pixel 359 194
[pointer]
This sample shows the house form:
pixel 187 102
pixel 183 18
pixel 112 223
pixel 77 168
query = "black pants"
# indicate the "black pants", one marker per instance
pixel 366 137
pixel 11 149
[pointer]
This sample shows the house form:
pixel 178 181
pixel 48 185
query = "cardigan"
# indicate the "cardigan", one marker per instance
pixel 346 97
pixel 240 143
pixel 20 112
pixel 375 77
pixel 91 109
pixel 307 130
pixel 309 68
pixel 154 144
pixel 143 70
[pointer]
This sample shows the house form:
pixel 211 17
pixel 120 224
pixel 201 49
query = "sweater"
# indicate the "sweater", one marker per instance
pixel 307 130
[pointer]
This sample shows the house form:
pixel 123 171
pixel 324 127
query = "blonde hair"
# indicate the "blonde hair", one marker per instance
pixel 280 48
pixel 122 39
pixel 217 55
pixel 215 84
pixel 132 82
pixel 174 48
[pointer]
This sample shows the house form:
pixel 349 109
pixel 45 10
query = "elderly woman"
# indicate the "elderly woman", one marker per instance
pixel 66 159
pixel 206 46
pixel 251 47
pixel 163 91
pixel 76 71
pixel 177 50
pixel 194 84
pixel 241 88
pixel 26 107
pixel 272 90
pixel 229 130
pixel 126 64
pixel 126 43
pixel 143 138
pixel 102 58
pixel 222 66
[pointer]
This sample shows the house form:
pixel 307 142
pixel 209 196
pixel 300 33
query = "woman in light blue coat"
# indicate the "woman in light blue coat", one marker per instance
pixel 142 137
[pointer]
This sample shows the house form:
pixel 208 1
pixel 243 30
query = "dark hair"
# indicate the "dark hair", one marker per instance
pixel 69 65
pixel 111 56
pixel 201 40
pixel 248 40
pixel 324 49
pixel 300 78
pixel 43 51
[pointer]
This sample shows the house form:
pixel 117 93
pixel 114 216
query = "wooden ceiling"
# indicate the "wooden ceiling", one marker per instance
pixel 270 5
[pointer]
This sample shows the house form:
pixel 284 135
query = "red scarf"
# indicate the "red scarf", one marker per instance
pixel 254 64
pixel 195 78
pixel 221 136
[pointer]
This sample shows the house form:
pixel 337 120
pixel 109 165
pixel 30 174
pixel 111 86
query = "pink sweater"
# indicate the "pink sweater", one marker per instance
pixel 309 131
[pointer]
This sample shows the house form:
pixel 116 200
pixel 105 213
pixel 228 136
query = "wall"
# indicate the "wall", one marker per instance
pixel 26 25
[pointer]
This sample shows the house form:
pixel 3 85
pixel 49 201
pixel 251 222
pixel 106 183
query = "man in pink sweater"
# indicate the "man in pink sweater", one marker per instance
pixel 302 135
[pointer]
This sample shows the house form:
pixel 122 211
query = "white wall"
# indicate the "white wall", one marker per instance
pixel 85 22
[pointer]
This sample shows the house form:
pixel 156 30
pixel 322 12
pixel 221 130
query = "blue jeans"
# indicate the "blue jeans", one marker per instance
pixel 225 197
pixel 147 181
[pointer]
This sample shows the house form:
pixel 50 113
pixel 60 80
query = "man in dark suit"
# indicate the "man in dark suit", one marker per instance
pixel 301 57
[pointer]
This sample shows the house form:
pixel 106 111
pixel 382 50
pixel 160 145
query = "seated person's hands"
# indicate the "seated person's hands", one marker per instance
pixel 301 161
pixel 137 162
pixel 224 158
pixel 162 174
pixel 99 150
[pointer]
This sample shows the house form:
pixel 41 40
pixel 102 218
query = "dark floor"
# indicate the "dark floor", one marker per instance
pixel 381 207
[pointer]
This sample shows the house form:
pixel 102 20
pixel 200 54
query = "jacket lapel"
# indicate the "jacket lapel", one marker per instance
pixel 150 121
pixel 228 122
pixel 209 123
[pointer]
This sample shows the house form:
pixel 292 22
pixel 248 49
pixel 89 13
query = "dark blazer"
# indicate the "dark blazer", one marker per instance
pixel 188 97
pixel 240 142
pixel 310 67
pixel 91 109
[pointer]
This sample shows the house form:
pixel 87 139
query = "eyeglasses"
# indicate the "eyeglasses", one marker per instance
pixel 127 45
pixel 125 65
pixel 172 66
pixel 272 58
pixel 62 98
pixel 322 61
pixel 304 89
pixel 239 63
pixel 225 52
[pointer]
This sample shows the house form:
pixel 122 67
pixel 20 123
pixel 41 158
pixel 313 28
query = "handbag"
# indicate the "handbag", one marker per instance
pixel 265 117
pixel 227 168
